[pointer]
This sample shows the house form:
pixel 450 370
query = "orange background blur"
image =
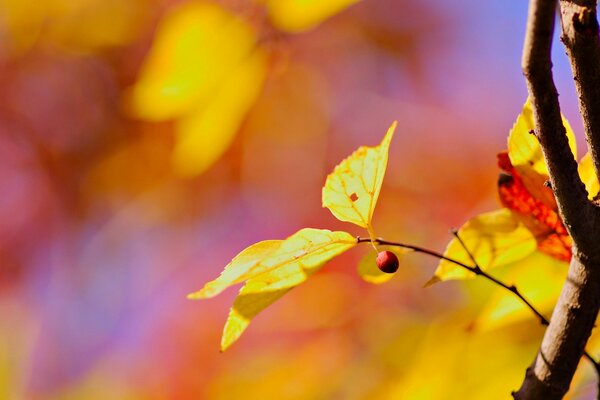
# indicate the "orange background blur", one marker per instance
pixel 123 191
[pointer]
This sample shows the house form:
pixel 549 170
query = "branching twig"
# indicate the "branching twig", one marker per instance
pixel 476 269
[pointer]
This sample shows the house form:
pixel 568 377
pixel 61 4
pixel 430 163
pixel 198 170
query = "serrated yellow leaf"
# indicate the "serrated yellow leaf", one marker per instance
pixel 352 189
pixel 588 176
pixel 239 269
pixel 299 256
pixel 526 154
pixel 207 132
pixel 300 15
pixel 539 277
pixel 196 48
pixel 368 271
pixel 494 238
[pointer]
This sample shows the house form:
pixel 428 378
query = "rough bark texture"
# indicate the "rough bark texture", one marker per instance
pixel 580 37
pixel 573 318
pixel 572 321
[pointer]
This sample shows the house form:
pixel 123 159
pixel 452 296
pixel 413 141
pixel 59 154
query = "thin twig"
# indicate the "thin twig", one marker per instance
pixel 476 269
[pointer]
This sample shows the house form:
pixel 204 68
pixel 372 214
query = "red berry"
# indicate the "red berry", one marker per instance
pixel 387 262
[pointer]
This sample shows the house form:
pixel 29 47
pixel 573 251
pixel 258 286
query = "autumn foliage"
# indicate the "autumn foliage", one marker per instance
pixel 154 148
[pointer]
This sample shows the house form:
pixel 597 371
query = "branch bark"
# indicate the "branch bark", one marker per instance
pixel 573 318
pixel 580 37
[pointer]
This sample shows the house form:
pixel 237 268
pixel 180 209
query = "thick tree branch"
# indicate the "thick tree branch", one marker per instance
pixel 537 68
pixel 573 318
pixel 580 37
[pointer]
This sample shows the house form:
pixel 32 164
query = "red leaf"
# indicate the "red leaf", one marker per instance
pixel 543 221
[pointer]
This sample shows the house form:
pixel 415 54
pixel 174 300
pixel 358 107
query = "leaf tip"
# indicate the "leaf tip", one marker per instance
pixel 228 339
pixel 434 279
pixel 390 133
pixel 194 296
pixel 211 289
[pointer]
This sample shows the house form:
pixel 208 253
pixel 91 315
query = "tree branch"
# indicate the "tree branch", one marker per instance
pixel 580 37
pixel 573 318
pixel 537 68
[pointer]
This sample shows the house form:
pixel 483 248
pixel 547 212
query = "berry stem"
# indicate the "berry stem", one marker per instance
pixel 476 269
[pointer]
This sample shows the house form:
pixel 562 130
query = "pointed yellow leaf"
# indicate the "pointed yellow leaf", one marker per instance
pixel 352 189
pixel 300 15
pixel 494 238
pixel 299 256
pixel 239 269
pixel 526 154
pixel 205 134
pixel 368 271
pixel 196 48
pixel 257 294
pixel 588 176
pixel 539 278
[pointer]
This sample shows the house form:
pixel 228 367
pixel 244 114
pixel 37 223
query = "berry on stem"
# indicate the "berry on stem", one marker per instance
pixel 387 262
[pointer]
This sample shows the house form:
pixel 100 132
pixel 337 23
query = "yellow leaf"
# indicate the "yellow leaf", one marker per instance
pixel 526 154
pixel 252 300
pixel 239 269
pixel 368 271
pixel 494 238
pixel 588 176
pixel 197 47
pixel 448 361
pixel 352 189
pixel 300 15
pixel 539 278
pixel 207 132
pixel 299 256
pixel 81 26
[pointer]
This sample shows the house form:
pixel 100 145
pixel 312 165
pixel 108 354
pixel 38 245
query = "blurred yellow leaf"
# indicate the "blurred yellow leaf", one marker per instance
pixel 270 269
pixel 494 238
pixel 92 24
pixel 352 189
pixel 197 47
pixel 526 155
pixel 368 271
pixel 588 176
pixel 539 278
pixel 451 362
pixel 300 15
pixel 22 22
pixel 206 70
pixel 81 25
pixel 207 132
pixel 239 269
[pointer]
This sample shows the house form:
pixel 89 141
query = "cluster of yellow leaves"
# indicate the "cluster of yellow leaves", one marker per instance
pixel 504 238
pixel 271 268
pixel 206 69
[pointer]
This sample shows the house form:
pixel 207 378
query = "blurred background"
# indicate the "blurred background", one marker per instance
pixel 144 143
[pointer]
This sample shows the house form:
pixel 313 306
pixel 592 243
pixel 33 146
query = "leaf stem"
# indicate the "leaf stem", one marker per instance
pixel 476 269
pixel 372 237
